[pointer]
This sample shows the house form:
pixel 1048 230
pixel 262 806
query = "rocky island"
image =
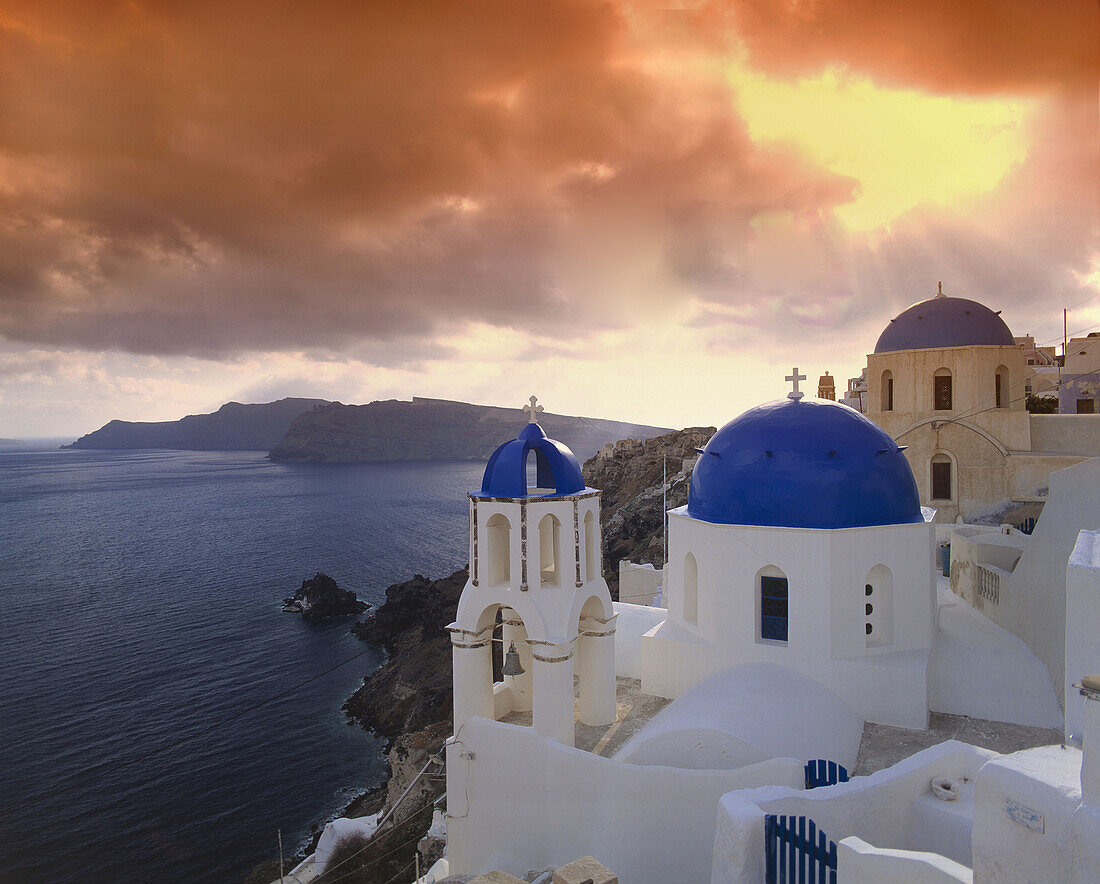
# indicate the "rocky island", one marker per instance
pixel 233 427
pixel 432 429
pixel 320 598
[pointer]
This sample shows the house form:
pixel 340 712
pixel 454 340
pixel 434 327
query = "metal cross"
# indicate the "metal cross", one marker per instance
pixel 795 377
pixel 535 410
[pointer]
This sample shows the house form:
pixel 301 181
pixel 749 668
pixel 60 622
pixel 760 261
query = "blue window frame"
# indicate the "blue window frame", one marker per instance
pixel 773 608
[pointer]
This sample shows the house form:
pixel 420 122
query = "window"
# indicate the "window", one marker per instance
pixel 941 390
pixel 941 477
pixel 591 547
pixel 498 553
pixel 1000 387
pixel 691 589
pixel 549 551
pixel 773 608
pixel 1086 406
pixel 887 391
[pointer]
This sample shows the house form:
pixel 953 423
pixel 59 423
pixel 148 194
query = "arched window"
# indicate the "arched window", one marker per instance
pixel 941 470
pixel 591 547
pixel 498 550
pixel 941 390
pixel 771 590
pixel 878 606
pixel 887 391
pixel 1000 387
pixel 549 551
pixel 691 589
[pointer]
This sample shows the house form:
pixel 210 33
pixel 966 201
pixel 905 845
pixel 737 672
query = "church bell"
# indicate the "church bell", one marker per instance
pixel 512 666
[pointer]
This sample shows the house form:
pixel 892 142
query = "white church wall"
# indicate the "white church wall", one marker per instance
pixel 883 809
pixel 1032 600
pixel 639 584
pixel 746 714
pixel 1082 622
pixel 519 801
pixel 633 622
pixel 861 863
pixel 826 574
pixel 1023 816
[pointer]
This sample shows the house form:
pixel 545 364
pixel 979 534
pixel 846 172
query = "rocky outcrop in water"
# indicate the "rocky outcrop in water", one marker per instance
pixel 233 427
pixel 432 429
pixel 319 598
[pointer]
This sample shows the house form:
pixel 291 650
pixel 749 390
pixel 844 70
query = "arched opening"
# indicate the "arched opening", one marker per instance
pixel 942 394
pixel 549 551
pixel 878 606
pixel 942 478
pixel 512 669
pixel 595 664
pixel 498 550
pixel 591 547
pixel 691 589
pixel 1000 387
pixel 887 390
pixel 540 475
pixel 772 604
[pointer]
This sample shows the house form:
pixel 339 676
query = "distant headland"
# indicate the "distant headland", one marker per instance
pixel 317 431
pixel 233 427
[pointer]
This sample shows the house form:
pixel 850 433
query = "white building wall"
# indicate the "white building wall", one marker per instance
pixel 517 801
pixel 826 572
pixel 1082 623
pixel 889 809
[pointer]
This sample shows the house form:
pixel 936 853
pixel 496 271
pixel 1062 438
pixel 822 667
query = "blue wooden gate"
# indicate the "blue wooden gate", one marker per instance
pixel 796 852
pixel 820 772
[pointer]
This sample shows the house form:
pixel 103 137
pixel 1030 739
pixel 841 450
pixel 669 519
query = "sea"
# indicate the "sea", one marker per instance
pixel 161 719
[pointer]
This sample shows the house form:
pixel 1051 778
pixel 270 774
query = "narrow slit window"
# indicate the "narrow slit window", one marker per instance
pixel 773 608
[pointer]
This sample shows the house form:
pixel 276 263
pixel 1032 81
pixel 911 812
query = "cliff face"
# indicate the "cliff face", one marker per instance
pixel 432 429
pixel 233 427
pixel 630 474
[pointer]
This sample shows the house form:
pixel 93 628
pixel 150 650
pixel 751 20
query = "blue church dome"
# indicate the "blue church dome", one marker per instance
pixel 944 322
pixel 803 464
pixel 556 467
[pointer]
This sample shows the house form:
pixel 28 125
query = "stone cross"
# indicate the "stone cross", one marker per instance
pixel 535 410
pixel 795 377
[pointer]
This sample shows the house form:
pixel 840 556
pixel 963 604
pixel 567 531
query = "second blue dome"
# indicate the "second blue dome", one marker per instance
pixel 803 464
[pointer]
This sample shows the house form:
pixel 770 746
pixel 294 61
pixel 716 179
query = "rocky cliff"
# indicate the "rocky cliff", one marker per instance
pixel 233 427
pixel 631 475
pixel 433 429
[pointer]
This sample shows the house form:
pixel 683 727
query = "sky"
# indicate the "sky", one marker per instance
pixel 641 211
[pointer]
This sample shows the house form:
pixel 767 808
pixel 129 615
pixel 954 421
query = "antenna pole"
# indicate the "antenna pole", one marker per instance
pixel 664 506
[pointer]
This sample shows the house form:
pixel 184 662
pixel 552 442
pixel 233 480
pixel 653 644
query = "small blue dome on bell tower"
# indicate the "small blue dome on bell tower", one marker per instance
pixel 556 469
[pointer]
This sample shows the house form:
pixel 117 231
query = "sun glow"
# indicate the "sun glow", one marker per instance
pixel 905 148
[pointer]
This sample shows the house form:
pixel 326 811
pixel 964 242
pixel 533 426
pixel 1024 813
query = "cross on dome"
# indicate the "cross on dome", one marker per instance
pixel 534 410
pixel 940 293
pixel 794 378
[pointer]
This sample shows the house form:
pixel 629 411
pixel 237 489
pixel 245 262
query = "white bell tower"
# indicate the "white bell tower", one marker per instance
pixel 535 561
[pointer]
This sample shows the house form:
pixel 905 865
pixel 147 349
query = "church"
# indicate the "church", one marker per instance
pixel 801 606
pixel 948 381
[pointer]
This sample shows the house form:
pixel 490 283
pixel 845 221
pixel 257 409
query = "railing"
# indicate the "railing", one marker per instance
pixel 795 850
pixel 989 585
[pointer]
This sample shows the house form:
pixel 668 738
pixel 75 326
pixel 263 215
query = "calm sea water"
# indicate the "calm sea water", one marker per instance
pixel 140 609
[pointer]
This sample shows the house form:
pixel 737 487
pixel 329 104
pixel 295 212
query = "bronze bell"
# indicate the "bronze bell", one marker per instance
pixel 512 666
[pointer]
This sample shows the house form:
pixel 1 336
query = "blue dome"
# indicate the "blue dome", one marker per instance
pixel 803 464
pixel 944 322
pixel 556 467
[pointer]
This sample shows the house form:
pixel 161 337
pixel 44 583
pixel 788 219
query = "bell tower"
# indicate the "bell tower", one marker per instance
pixel 536 568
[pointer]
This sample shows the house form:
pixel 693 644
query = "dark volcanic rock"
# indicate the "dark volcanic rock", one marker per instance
pixel 432 429
pixel 630 476
pixel 412 690
pixel 233 427
pixel 320 597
